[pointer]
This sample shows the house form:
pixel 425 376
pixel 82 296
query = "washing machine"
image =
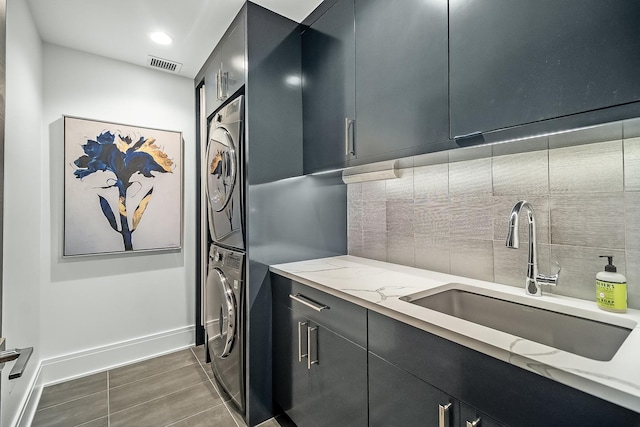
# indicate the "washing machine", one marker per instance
pixel 224 320
pixel 225 179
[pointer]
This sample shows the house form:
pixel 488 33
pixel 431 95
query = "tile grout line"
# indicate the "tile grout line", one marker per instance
pixel 68 401
pixel 216 389
pixel 108 402
pixel 151 376
pixel 160 397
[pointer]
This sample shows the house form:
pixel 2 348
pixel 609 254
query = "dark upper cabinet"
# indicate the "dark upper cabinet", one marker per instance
pixel 519 62
pixel 401 76
pixel 374 93
pixel 328 91
pixel 226 71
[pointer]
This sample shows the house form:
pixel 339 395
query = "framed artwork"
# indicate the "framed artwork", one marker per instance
pixel 122 188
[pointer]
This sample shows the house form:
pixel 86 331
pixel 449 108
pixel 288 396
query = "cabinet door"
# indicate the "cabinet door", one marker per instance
pixel 401 75
pixel 470 415
pixel 328 90
pixel 211 91
pixel 233 59
pixel 398 399
pixel 226 72
pixel 338 380
pixel 290 375
pixel 517 62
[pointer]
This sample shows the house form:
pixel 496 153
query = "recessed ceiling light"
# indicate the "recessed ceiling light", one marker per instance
pixel 161 38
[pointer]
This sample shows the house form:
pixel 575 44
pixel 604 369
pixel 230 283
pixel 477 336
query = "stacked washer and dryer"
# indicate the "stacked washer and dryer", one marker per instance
pixel 225 287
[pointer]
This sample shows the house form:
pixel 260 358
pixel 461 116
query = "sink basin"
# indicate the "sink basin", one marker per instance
pixel 587 337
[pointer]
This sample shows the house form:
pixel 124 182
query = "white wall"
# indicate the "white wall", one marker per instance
pixel 22 208
pixel 83 314
pixel 93 302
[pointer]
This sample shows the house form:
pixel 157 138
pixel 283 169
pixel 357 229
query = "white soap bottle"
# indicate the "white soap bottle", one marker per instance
pixel 611 288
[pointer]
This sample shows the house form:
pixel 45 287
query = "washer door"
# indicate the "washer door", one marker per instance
pixel 221 167
pixel 222 312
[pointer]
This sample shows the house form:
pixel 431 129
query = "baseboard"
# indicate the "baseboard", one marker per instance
pixel 30 403
pixel 79 364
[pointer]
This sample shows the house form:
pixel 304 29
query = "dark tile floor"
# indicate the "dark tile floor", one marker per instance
pixel 172 390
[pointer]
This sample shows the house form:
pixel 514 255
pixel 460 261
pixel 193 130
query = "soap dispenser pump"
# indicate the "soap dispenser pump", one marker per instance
pixel 611 288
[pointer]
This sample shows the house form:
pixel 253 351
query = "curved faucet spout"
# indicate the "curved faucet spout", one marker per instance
pixel 513 241
pixel 533 280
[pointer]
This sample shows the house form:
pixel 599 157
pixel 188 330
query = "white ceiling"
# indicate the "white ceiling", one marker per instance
pixel 119 29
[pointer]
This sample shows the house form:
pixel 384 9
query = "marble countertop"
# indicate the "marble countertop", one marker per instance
pixel 378 286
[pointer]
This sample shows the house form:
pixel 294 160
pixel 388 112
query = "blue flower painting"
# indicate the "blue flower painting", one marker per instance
pixel 126 164
pixel 123 157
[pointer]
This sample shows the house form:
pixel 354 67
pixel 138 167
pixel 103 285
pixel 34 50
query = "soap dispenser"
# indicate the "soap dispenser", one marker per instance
pixel 611 288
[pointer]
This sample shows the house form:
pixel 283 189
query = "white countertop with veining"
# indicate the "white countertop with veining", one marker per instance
pixel 378 286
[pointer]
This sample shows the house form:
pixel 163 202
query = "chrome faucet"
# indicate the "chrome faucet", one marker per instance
pixel 534 280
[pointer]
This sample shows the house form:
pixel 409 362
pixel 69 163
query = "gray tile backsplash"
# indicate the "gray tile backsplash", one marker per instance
pixel 431 181
pixel 595 220
pixel 432 252
pixel 586 168
pixel 526 173
pixel 471 218
pixel 472 177
pixel 452 216
pixel 471 258
pixel 632 164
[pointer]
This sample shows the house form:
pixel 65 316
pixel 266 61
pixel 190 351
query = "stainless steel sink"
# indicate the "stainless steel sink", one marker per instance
pixel 583 336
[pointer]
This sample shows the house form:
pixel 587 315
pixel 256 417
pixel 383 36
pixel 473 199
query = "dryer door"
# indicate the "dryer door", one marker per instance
pixel 222 167
pixel 222 315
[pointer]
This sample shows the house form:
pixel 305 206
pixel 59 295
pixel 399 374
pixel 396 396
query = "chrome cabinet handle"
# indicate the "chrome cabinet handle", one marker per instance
pixel 300 355
pixel 225 85
pixel 443 415
pixel 474 423
pixel 218 85
pixel 308 302
pixel 22 354
pixel 310 362
pixel 348 140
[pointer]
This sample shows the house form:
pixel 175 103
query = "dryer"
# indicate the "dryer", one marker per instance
pixel 225 180
pixel 224 320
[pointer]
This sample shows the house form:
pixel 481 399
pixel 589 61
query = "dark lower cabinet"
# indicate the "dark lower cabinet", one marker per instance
pixel 320 377
pixel 338 364
pixel 505 394
pixel 399 399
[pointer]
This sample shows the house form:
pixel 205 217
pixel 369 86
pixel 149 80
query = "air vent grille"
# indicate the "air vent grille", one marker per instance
pixel 164 64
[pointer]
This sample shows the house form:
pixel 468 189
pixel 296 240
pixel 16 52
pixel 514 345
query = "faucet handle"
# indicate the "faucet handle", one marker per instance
pixel 543 279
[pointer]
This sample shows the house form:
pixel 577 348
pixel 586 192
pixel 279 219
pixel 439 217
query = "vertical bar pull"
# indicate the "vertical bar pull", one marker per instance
pixel 310 362
pixel 443 415
pixel 218 85
pixel 300 355
pixel 348 139
pixel 474 423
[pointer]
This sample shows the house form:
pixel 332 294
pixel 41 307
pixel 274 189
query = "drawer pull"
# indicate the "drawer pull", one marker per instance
pixel 309 302
pixel 443 415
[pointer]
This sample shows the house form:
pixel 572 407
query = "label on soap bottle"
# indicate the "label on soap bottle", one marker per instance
pixel 611 296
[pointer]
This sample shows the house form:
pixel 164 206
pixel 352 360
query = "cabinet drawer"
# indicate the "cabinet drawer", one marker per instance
pixel 342 317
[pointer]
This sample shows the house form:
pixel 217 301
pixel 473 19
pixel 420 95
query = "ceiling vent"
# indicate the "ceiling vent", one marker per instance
pixel 164 64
